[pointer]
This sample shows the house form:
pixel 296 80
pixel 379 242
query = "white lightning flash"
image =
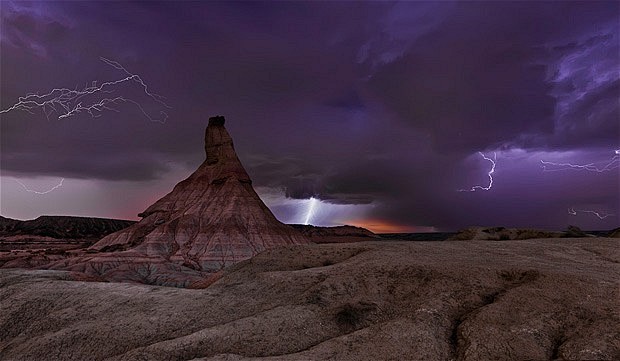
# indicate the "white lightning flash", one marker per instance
pixel 600 215
pixel 67 102
pixel 311 209
pixel 614 163
pixel 489 173
pixel 40 192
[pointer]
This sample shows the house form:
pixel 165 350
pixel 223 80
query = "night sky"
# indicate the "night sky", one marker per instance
pixel 377 109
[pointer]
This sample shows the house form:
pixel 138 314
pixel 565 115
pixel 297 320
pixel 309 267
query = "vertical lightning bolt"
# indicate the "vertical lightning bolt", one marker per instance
pixel 600 215
pixel 40 192
pixel 489 173
pixel 311 208
pixel 68 102
pixel 613 163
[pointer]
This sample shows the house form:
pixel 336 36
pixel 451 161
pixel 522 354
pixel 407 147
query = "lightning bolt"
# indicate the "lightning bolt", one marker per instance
pixel 600 215
pixel 67 102
pixel 614 163
pixel 40 192
pixel 311 208
pixel 490 174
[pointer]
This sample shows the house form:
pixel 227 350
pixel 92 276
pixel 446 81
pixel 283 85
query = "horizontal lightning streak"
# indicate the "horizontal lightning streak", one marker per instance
pixel 614 163
pixel 69 102
pixel 600 215
pixel 40 192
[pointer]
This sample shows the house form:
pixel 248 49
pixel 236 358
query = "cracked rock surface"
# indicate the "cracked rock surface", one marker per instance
pixel 536 299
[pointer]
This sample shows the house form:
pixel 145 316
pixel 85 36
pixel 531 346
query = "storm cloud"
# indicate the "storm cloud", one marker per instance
pixel 371 104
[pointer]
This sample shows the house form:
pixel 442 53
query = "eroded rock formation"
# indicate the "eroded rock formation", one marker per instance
pixel 210 220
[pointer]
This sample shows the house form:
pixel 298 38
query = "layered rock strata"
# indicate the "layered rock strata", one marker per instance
pixel 210 220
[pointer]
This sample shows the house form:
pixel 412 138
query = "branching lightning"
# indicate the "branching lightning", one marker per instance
pixel 40 192
pixel 311 209
pixel 67 102
pixel 600 215
pixel 490 174
pixel 613 163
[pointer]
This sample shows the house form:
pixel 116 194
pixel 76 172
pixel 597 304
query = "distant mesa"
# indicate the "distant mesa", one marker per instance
pixel 338 234
pixel 511 234
pixel 614 233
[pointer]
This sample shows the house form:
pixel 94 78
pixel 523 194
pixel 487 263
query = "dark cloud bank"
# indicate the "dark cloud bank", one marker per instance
pixel 353 103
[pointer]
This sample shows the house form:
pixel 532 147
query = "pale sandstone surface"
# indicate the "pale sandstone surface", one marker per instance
pixel 465 300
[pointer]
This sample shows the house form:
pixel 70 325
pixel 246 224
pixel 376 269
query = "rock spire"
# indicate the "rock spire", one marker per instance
pixel 211 219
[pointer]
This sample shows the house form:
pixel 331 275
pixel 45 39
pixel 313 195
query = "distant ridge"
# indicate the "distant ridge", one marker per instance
pixel 62 227
pixel 337 234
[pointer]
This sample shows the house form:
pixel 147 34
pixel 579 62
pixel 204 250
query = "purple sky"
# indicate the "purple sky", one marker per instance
pixel 378 109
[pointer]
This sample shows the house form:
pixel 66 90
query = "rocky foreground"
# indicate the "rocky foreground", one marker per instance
pixel 465 300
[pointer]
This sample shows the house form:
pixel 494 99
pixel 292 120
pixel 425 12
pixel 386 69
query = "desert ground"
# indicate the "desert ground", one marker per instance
pixel 537 299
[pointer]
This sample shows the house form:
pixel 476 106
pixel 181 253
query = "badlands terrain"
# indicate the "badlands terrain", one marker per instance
pixel 537 299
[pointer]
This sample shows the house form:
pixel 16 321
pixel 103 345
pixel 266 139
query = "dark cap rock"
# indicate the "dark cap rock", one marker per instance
pixel 217 120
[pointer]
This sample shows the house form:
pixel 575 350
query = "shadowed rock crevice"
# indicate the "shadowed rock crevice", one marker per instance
pixel 458 342
pixel 511 279
pixel 353 316
pixel 557 342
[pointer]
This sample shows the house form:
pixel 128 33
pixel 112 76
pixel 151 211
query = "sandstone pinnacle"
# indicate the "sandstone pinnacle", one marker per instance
pixel 212 219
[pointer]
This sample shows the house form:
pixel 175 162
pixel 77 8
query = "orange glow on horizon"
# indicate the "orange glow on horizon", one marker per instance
pixel 383 226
